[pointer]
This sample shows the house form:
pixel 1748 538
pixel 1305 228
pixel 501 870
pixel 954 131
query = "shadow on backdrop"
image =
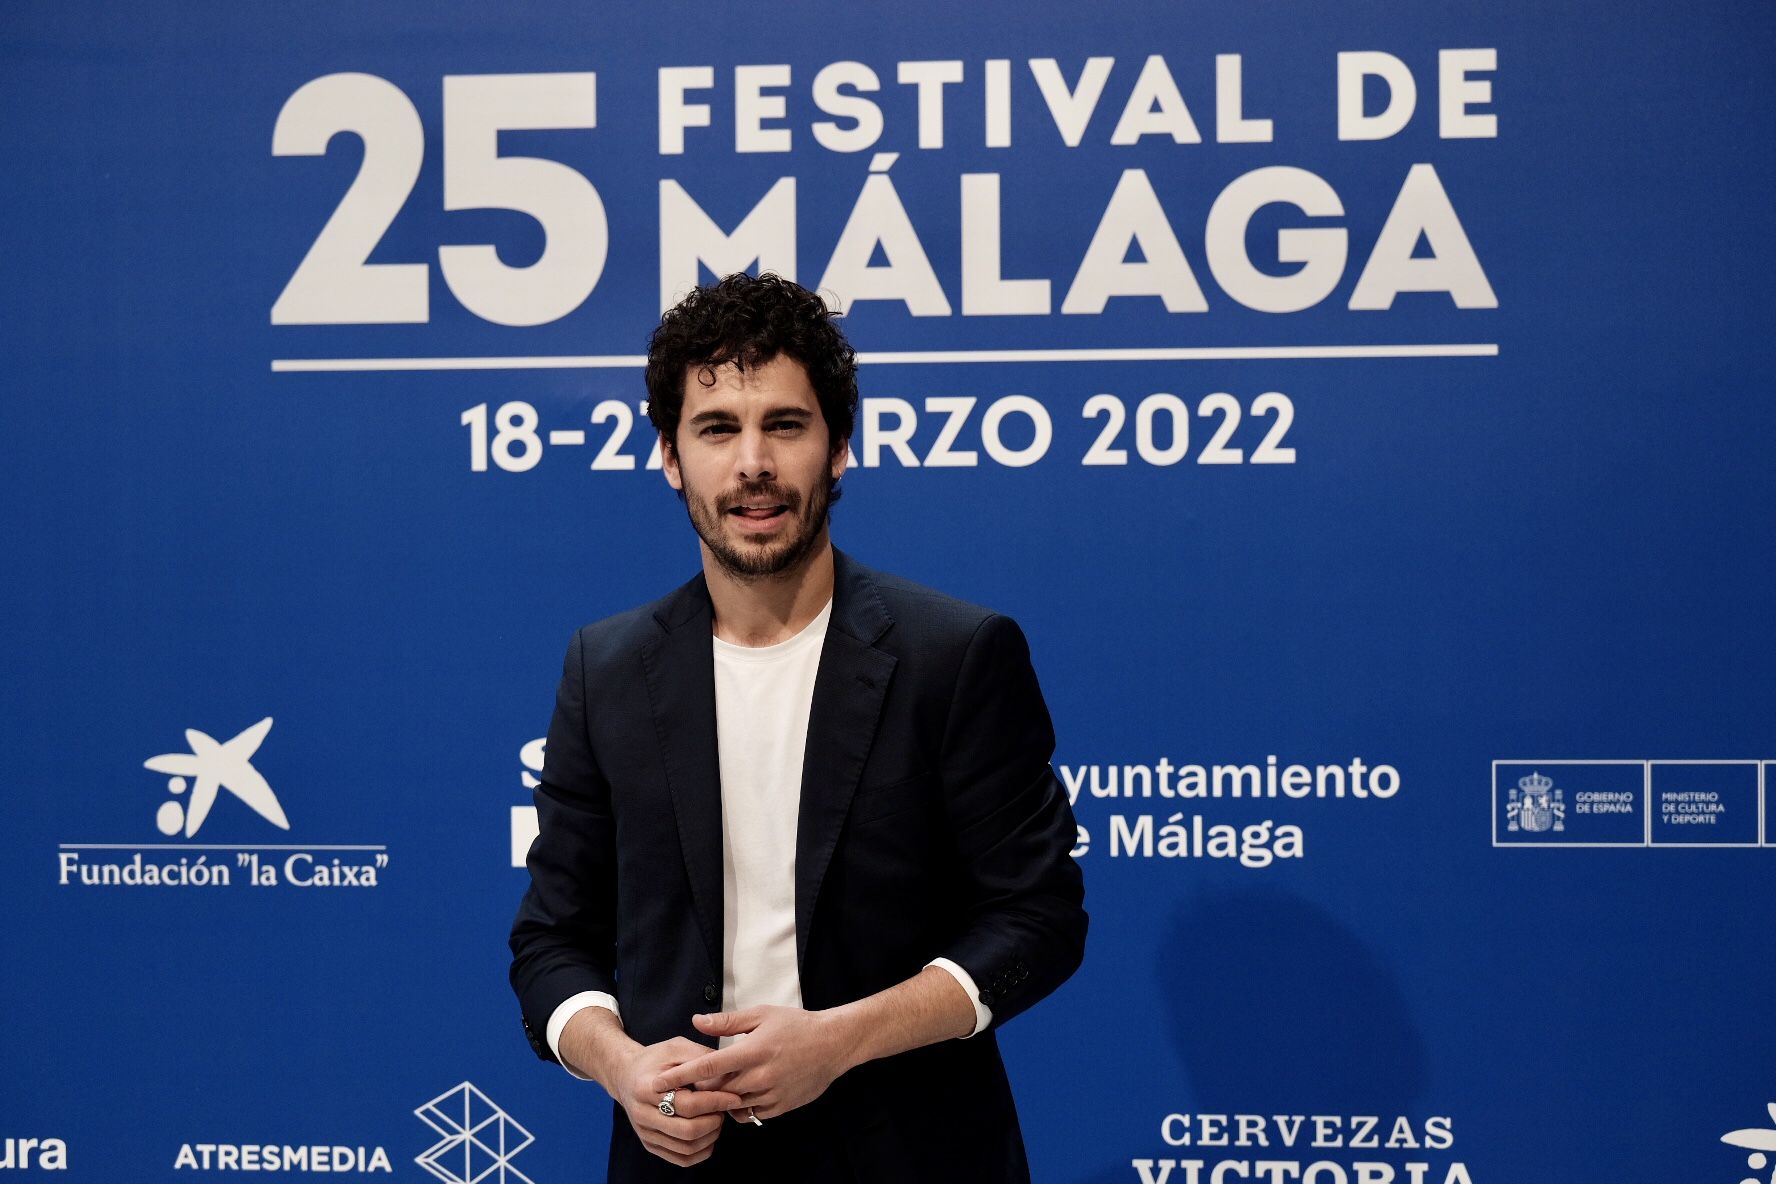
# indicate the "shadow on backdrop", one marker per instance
pixel 1274 1006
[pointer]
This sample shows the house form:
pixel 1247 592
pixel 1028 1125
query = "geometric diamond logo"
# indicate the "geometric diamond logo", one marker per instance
pixel 479 1139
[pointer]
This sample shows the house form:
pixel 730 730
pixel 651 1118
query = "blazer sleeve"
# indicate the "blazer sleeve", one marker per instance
pixel 1022 927
pixel 564 937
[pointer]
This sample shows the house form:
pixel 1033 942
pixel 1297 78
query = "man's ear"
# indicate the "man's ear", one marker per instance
pixel 838 458
pixel 669 462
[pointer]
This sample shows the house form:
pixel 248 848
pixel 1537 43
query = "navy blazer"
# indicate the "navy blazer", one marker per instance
pixel 930 824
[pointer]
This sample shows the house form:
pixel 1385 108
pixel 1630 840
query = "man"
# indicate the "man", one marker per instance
pixel 797 810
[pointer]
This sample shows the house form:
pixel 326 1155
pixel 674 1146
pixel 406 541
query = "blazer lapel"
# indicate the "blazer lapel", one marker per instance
pixel 680 665
pixel 849 687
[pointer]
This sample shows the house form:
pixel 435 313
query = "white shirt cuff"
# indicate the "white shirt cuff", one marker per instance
pixel 565 1011
pixel 983 1015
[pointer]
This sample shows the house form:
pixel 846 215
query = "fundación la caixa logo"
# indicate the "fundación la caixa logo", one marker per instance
pixel 1760 1142
pixel 215 767
pixel 213 780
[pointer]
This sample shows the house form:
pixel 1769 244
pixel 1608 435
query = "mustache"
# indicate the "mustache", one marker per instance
pixel 775 493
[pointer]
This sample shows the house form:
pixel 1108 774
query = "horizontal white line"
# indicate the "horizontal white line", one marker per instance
pixel 1745 761
pixel 1697 846
pixel 1644 846
pixel 1577 761
pixel 1638 846
pixel 1193 353
pixel 1657 760
pixel 559 362
pixel 222 846
pixel 1188 353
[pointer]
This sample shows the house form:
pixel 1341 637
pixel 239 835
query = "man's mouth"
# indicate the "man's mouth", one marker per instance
pixel 759 511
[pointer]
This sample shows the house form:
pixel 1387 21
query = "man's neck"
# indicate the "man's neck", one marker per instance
pixel 764 610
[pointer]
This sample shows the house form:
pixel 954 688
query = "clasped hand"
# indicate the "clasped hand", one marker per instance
pixel 788 1057
pixel 686 1136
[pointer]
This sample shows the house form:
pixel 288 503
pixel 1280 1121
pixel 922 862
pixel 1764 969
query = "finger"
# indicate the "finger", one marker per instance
pixel 692 1103
pixel 704 1138
pixel 752 1084
pixel 666 1147
pixel 701 1129
pixel 675 1126
pixel 729 1023
pixel 678 1158
pixel 712 1064
pixel 650 1122
pixel 680 1134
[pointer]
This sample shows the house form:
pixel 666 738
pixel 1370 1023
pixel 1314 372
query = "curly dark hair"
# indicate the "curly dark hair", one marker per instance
pixel 748 321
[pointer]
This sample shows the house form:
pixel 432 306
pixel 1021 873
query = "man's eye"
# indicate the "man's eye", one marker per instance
pixel 790 424
pixel 716 427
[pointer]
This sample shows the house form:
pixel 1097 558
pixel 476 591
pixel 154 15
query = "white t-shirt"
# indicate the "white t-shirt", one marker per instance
pixel 763 695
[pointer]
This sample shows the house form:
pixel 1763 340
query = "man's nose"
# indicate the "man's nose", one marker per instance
pixel 755 456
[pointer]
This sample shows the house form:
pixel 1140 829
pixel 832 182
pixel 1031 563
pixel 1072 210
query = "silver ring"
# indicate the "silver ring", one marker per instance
pixel 666 1104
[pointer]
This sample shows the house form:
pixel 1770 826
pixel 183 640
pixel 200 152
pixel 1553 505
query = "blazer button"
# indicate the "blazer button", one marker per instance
pixel 988 997
pixel 709 992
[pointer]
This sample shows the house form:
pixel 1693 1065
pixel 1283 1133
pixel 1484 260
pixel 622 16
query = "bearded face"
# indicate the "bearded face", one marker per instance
pixel 756 464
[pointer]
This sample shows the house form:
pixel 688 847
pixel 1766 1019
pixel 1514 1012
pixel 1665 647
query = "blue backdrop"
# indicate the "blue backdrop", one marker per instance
pixel 1378 387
